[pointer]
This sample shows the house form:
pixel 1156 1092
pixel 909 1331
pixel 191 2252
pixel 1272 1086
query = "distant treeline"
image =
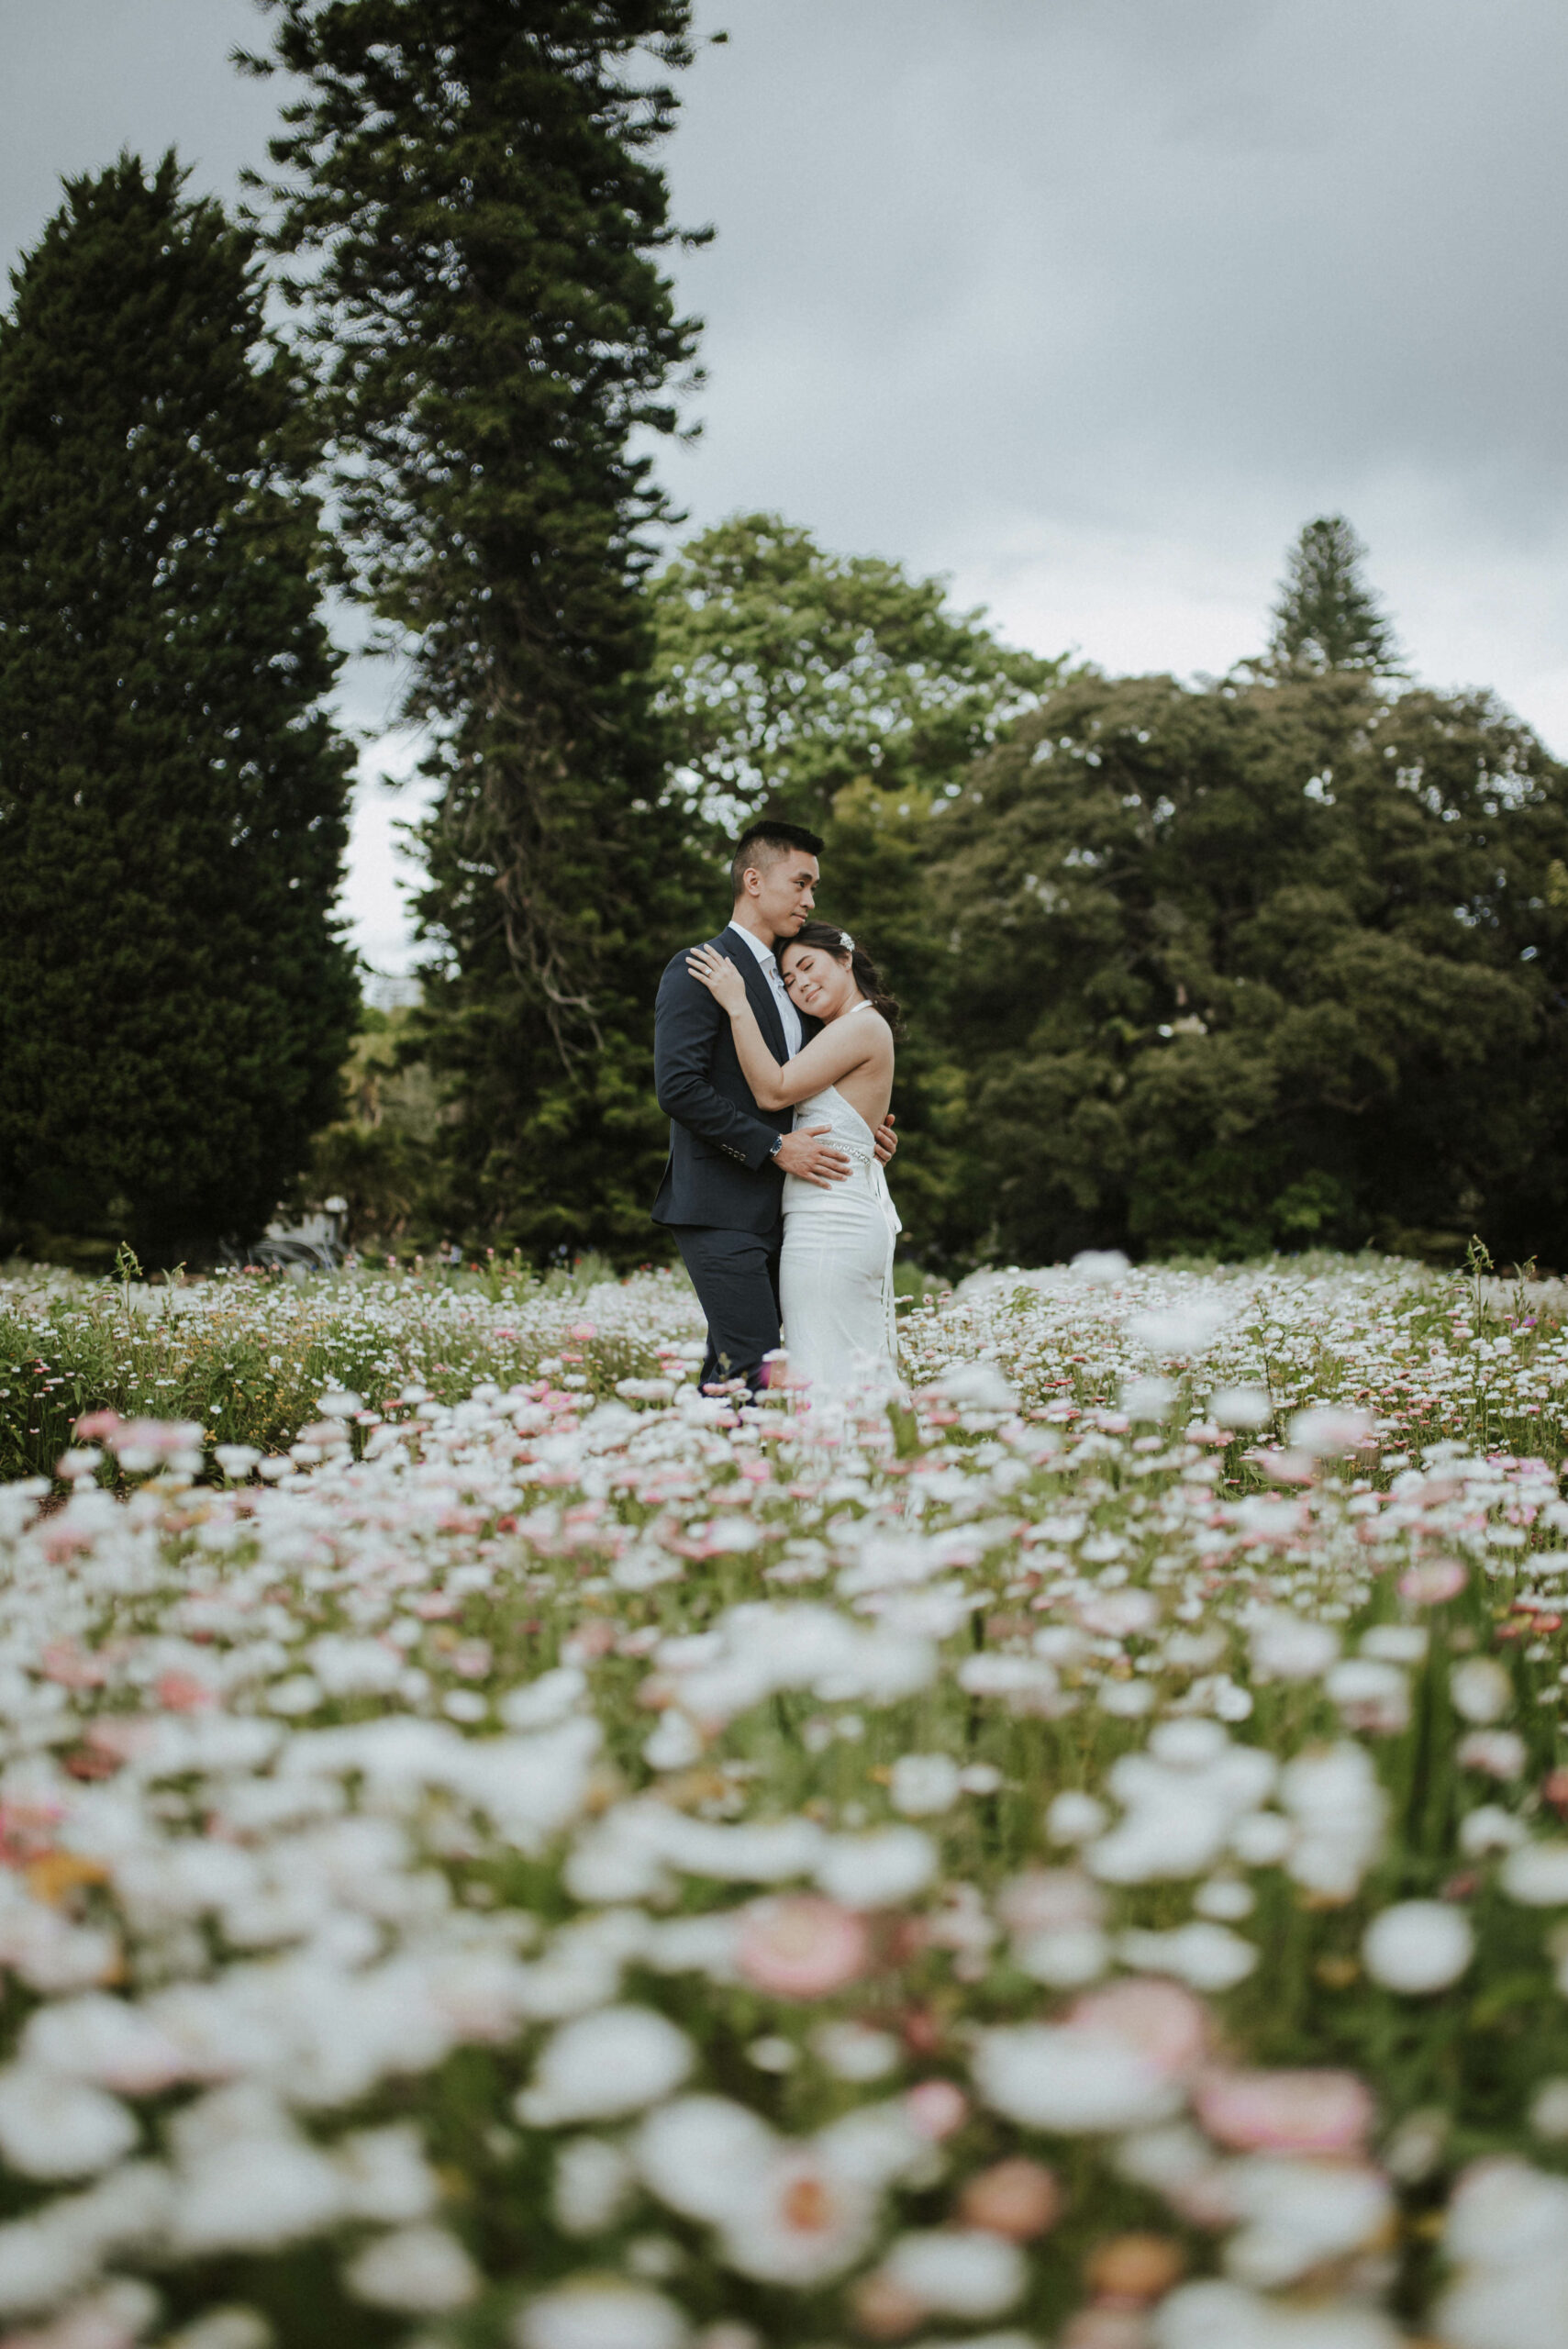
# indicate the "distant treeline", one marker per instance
pixel 1266 963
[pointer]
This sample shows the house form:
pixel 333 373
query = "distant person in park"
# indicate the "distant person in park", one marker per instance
pixel 774 1051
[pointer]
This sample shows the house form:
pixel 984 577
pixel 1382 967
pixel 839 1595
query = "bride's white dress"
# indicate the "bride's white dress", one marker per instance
pixel 836 1275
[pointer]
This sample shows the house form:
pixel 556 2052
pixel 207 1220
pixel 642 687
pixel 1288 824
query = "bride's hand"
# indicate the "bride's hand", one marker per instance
pixel 719 976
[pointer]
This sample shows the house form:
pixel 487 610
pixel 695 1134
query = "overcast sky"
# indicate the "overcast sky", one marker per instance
pixel 1089 303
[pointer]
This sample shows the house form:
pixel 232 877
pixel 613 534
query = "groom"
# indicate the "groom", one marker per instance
pixel 722 1194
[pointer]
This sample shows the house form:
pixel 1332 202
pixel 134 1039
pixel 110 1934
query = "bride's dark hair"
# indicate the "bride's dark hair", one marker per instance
pixel 828 937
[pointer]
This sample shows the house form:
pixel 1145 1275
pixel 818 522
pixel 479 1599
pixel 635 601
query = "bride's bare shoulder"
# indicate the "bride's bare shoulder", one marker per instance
pixel 864 1038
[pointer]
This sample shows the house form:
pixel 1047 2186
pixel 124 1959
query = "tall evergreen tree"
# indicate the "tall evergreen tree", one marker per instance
pixel 1327 616
pixel 474 191
pixel 175 997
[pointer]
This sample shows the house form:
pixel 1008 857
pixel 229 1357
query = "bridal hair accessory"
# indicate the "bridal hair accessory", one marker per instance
pixel 846 941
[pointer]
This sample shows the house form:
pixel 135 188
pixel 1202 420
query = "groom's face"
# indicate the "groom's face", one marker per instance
pixel 786 891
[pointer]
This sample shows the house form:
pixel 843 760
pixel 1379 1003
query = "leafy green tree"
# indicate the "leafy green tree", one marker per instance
pixel 472 197
pixel 1326 617
pixel 839 692
pixel 791 673
pixel 1260 965
pixel 175 996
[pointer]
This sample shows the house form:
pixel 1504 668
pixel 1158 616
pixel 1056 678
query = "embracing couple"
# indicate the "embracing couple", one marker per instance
pixel 773 1049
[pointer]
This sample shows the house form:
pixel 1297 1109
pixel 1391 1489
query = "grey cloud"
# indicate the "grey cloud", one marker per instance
pixel 1031 244
pixel 83 78
pixel 1092 302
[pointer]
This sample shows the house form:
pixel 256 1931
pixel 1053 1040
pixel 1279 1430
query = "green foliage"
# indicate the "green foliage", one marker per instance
pixel 1326 618
pixel 790 673
pixel 1256 965
pixel 175 998
pixel 841 693
pixel 480 224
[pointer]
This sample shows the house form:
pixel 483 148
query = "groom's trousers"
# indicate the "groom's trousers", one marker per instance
pixel 736 1277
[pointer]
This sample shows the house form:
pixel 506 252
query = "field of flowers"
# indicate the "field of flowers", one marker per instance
pixel 528 1853
pixel 246 1357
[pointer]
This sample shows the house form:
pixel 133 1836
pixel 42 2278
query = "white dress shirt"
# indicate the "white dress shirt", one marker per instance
pixel 795 1035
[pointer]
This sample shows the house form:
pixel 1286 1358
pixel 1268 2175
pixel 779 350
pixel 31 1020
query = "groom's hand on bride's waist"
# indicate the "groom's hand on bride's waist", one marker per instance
pixel 814 1162
pixel 886 1140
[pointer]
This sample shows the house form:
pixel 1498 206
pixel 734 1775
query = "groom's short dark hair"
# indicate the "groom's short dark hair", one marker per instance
pixel 763 842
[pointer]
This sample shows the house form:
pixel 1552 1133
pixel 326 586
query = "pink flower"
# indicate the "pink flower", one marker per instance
pixel 1430 1583
pixel 144 1444
pixel 1496 1752
pixel 65 1662
pixel 120 1736
pixel 584 1329
pixel 1329 1430
pixel 800 1945
pixel 1044 1900
pixel 936 2108
pixel 62 1540
pixel 94 1425
pixel 1286 2112
pixel 1285 1467
pixel 1161 2021
pixel 1018 2199
pixel 587 1641
pixel 182 1692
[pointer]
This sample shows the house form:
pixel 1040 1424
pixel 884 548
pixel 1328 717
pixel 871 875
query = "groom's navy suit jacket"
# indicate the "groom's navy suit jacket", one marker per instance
pixel 718 1172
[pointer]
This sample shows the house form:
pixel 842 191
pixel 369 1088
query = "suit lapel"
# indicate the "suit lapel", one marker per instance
pixel 758 993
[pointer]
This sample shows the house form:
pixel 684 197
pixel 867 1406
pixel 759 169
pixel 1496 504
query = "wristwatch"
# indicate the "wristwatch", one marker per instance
pixel 776 1145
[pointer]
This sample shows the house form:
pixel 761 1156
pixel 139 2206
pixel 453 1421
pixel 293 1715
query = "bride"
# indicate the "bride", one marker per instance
pixel 836 1275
